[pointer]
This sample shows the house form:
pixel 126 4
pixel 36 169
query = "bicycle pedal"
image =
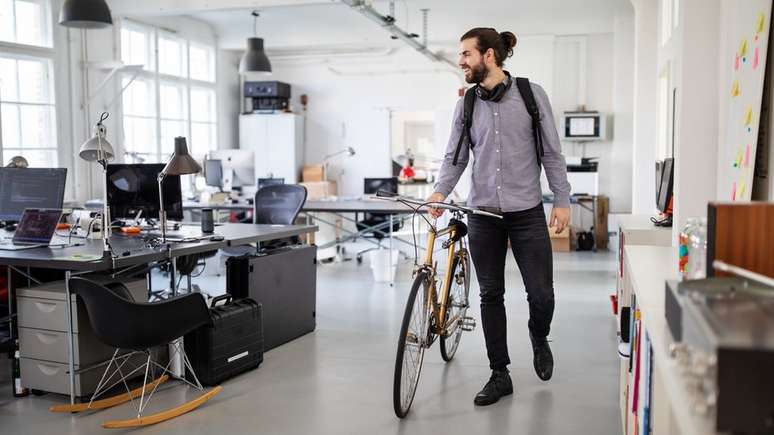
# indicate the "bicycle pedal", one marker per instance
pixel 468 324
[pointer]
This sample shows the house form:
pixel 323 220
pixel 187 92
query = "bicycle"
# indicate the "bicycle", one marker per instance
pixel 433 313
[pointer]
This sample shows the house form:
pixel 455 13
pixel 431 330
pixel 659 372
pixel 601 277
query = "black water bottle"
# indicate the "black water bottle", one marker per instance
pixel 208 221
pixel 18 390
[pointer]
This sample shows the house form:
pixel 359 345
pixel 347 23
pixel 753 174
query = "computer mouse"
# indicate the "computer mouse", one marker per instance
pixel 217 238
pixel 10 227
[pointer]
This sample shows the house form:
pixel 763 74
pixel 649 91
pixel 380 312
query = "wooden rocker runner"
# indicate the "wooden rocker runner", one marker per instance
pixel 120 322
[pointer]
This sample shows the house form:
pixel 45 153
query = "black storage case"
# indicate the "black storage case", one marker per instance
pixel 232 345
pixel 284 282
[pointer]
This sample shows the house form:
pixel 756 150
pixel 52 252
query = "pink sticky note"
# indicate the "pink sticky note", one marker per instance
pixel 747 157
pixel 733 192
pixel 736 63
pixel 755 58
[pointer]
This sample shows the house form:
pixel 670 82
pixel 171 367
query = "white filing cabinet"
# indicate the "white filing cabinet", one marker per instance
pixel 277 143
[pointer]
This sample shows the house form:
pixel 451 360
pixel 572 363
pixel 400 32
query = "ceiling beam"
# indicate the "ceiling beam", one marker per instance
pixel 139 8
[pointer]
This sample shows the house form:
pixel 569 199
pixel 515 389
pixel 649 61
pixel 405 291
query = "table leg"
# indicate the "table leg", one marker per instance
pixel 70 338
pixel 392 277
pixel 10 304
pixel 172 275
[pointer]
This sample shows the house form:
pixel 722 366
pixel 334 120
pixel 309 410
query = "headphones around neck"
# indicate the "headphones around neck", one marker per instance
pixel 497 93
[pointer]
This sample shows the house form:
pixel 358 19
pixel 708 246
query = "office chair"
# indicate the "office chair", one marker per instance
pixel 378 220
pixel 279 204
pixel 120 322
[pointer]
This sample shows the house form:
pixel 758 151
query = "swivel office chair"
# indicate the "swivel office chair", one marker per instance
pixel 278 204
pixel 137 327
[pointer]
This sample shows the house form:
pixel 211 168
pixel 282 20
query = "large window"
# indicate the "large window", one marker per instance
pixel 27 103
pixel 174 95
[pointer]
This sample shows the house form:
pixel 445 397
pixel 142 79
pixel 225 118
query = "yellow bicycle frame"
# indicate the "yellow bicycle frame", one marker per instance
pixel 439 306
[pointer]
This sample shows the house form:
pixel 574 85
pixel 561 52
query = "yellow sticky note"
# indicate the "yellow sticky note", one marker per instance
pixel 741 190
pixel 748 117
pixel 743 48
pixel 735 89
pixel 759 27
pixel 738 161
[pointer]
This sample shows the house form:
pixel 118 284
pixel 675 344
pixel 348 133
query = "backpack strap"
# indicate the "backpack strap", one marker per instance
pixel 529 100
pixel 467 121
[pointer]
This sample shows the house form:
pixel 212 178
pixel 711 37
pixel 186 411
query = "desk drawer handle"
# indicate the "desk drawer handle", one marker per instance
pixel 47 338
pixel 48 370
pixel 45 307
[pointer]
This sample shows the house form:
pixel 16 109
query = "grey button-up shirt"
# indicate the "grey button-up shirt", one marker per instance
pixel 505 171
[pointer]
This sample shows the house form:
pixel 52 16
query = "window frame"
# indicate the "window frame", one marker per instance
pixel 158 79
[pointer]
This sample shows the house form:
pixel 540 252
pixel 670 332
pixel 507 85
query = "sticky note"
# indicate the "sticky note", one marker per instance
pixel 755 58
pixel 736 63
pixel 748 117
pixel 733 192
pixel 735 89
pixel 743 48
pixel 747 157
pixel 741 190
pixel 738 160
pixel 761 24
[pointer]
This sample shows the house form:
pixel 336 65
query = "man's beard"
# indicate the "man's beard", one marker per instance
pixel 477 74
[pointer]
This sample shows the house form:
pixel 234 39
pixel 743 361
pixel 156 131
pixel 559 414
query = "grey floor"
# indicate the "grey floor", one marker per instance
pixel 338 380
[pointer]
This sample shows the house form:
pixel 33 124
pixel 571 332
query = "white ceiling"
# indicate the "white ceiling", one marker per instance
pixel 294 24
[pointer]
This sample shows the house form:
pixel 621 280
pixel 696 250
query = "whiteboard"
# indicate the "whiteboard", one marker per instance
pixel 749 36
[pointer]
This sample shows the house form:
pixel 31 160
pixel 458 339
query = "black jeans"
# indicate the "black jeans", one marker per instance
pixel 528 232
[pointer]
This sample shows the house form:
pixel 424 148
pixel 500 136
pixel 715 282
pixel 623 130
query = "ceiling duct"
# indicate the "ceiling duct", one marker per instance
pixel 388 24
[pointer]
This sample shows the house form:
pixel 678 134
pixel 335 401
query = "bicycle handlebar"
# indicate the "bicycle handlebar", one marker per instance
pixel 389 196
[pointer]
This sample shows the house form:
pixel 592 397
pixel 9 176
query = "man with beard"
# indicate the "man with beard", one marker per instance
pixel 506 180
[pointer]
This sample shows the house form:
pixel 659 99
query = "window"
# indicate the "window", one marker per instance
pixel 25 22
pixel 173 96
pixel 27 103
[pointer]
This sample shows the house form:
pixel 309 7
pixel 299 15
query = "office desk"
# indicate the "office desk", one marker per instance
pixel 342 207
pixel 129 252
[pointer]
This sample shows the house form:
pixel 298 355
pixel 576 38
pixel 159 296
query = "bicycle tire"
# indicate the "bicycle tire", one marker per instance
pixel 450 343
pixel 405 387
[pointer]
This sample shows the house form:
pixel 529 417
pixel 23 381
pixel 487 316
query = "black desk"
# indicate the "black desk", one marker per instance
pixel 130 252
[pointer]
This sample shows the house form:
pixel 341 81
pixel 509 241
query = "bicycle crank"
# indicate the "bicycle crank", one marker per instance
pixel 468 324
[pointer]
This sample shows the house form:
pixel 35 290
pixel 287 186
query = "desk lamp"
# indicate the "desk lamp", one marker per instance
pixel 17 162
pixel 181 163
pixel 98 149
pixel 349 151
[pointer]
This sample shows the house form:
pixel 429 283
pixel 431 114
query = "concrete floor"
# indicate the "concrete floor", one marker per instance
pixel 338 380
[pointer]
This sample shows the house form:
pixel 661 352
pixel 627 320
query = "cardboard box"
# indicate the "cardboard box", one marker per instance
pixel 319 189
pixel 312 173
pixel 560 242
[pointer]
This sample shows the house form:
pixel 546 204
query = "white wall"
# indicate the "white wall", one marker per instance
pixel 228 92
pixel 369 86
pixel 645 106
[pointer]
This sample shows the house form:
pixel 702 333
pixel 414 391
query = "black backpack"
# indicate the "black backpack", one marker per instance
pixel 525 90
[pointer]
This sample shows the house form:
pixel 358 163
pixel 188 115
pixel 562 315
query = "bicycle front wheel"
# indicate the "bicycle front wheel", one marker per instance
pixel 457 306
pixel 413 339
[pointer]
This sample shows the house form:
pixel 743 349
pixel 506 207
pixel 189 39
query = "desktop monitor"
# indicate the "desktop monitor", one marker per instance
pixel 373 185
pixel 263 182
pixel 22 188
pixel 213 173
pixel 238 167
pixel 132 188
pixel 659 172
pixel 667 183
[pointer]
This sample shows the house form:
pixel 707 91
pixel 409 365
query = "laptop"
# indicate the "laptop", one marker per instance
pixel 35 229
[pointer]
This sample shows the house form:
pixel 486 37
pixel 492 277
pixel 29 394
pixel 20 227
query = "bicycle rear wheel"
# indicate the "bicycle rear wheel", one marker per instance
pixel 414 337
pixel 457 306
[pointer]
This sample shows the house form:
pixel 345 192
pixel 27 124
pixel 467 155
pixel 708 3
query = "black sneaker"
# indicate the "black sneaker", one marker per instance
pixel 499 385
pixel 543 359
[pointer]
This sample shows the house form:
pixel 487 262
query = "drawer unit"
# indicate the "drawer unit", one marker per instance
pixel 43 344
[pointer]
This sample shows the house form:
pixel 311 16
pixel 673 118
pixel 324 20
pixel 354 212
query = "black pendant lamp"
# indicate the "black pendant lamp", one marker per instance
pixel 85 14
pixel 254 60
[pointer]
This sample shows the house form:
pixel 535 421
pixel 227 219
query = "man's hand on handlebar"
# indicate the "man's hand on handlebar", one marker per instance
pixel 436 197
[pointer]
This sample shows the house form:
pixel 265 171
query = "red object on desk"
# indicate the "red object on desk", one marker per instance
pixel 63 226
pixel 130 230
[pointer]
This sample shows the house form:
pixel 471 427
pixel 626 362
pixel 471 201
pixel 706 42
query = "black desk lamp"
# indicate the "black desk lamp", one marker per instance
pixel 98 149
pixel 181 163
